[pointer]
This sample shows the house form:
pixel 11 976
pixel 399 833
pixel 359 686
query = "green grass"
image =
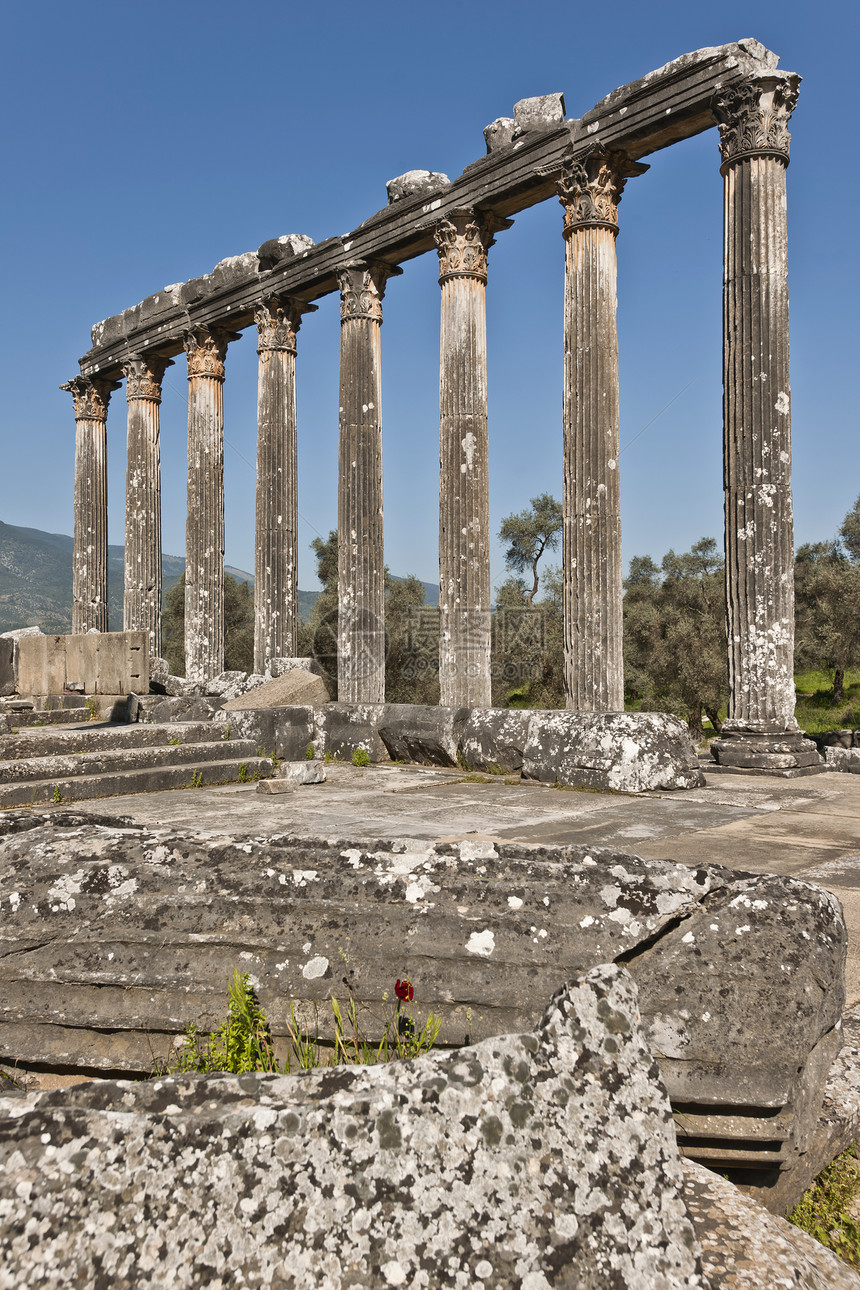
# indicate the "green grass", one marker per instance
pixel 816 711
pixel 244 1041
pixel 825 1210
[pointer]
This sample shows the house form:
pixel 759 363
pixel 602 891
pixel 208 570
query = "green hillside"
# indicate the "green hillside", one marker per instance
pixel 36 580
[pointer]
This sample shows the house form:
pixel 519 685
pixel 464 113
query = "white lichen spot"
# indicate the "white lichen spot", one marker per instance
pixel 782 404
pixel 739 931
pixel 689 939
pixel 301 877
pixel 394 1273
pixel 316 967
pixel 482 943
pixel 588 921
pixel 15 900
pixel 514 902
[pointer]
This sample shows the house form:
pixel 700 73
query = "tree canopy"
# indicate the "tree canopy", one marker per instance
pixel 528 535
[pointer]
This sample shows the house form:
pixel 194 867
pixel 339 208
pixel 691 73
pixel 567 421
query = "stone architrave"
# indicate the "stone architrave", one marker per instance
pixel 206 348
pixel 590 190
pixel 276 562
pixel 90 554
pixel 142 594
pixel 761 730
pixel 463 240
pixel 361 568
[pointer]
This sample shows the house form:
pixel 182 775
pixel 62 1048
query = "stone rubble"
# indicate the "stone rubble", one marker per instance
pixel 530 1160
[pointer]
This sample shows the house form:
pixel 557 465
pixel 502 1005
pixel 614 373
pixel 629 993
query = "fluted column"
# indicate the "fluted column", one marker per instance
pixel 90 550
pixel 276 614
pixel 142 588
pixel 361 564
pixel 463 240
pixel 204 525
pixel 590 190
pixel 761 731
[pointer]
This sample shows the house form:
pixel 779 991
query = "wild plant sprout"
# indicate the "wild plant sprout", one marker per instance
pixel 244 1042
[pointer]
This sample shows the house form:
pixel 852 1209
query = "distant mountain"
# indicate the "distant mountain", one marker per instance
pixel 36 580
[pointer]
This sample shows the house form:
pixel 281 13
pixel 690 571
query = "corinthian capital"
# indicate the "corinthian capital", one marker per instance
pixel 278 318
pixel 91 395
pixel 362 286
pixel 206 348
pixel 591 185
pixel 463 240
pixel 753 116
pixel 143 375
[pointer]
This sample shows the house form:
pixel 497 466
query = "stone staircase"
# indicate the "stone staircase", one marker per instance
pixel 59 764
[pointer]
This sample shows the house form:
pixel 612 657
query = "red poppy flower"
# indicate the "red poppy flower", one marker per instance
pixel 404 991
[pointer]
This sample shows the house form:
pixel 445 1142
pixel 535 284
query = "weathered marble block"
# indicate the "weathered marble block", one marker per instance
pixel 529 1160
pixel 115 937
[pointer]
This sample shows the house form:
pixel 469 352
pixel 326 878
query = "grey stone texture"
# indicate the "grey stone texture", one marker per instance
pixel 761 730
pixel 286 247
pixel 539 113
pixel 101 662
pixel 423 733
pixel 286 731
pixel 631 752
pixel 416 183
pixel 89 553
pixel 496 739
pixel 340 729
pixel 361 566
pixel 301 772
pixel 296 687
pixel 741 977
pixel 276 613
pixel 231 685
pixel 463 240
pixel 499 133
pixel 280 666
pixel 528 1160
pixel 744 1247
pixel 142 583
pixel 590 190
pixel 204 529
pixel 844 759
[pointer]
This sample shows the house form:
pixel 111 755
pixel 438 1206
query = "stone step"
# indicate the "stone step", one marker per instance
pixel 104 761
pixel 47 717
pixel 40 792
pixel 95 738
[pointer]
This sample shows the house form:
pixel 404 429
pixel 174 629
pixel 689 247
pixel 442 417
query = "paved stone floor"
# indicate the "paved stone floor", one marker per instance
pixel 808 828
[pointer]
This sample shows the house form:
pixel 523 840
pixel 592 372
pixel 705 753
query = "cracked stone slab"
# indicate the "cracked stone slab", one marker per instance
pixel 530 1160
pixel 744 1247
pixel 114 938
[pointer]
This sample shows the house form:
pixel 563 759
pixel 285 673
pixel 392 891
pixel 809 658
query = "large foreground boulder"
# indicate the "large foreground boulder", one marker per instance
pixel 530 1160
pixel 115 937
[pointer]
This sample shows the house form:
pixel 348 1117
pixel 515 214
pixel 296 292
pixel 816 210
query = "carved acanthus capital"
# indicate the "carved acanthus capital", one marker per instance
pixel 362 286
pixel 591 185
pixel 206 348
pixel 463 239
pixel 91 395
pixel 753 116
pixel 143 376
pixel 278 318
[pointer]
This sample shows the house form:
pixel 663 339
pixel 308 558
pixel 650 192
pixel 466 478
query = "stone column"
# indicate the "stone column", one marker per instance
pixel 206 348
pixel 276 561
pixel 463 240
pixel 142 594
pixel 90 549
pixel 361 566
pixel 761 731
pixel 590 190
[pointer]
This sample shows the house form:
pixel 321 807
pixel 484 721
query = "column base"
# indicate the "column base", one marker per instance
pixel 766 749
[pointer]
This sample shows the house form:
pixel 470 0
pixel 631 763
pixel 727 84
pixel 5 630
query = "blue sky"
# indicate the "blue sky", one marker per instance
pixel 144 145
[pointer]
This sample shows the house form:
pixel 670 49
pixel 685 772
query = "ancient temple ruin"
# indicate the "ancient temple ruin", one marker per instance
pixel 535 156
